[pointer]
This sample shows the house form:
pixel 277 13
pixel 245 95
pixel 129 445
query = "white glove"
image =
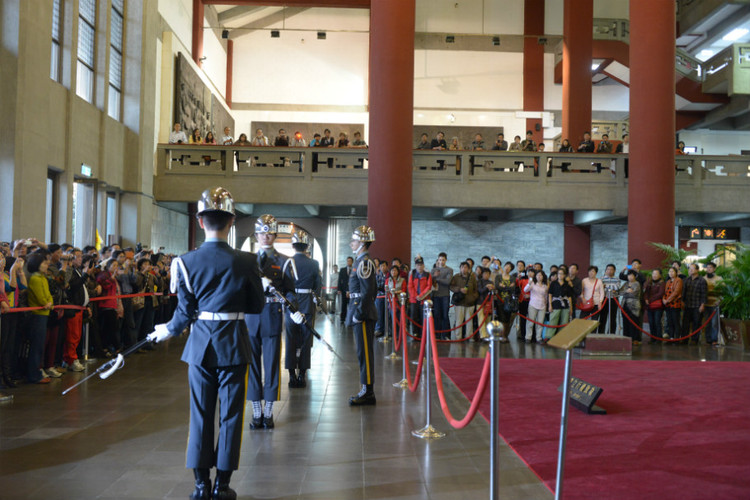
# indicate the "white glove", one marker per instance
pixel 298 317
pixel 266 283
pixel 159 334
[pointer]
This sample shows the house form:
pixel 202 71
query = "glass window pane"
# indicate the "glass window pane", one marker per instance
pixel 54 67
pixel 86 44
pixel 85 82
pixel 56 21
pixel 119 5
pixel 113 107
pixel 116 35
pixel 87 10
pixel 115 68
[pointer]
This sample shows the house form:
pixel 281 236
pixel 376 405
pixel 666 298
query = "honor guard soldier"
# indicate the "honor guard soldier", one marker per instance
pixel 265 328
pixel 307 286
pixel 361 314
pixel 218 349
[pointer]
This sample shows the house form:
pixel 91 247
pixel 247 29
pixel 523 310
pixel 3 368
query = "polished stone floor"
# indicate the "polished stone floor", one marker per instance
pixel 125 437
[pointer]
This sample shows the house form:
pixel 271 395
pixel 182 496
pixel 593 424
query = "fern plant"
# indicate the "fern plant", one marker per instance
pixel 671 254
pixel 735 287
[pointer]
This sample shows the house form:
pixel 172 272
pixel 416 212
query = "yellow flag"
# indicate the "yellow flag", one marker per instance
pixel 99 241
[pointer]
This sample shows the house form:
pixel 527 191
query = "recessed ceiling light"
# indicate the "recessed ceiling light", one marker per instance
pixel 735 34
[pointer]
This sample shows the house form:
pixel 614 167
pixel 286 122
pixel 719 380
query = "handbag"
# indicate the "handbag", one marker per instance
pixel 458 297
pixel 510 304
pixel 587 304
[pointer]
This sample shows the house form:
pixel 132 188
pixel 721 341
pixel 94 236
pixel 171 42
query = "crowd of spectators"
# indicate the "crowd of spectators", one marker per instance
pixel 44 343
pixel 674 304
pixel 178 136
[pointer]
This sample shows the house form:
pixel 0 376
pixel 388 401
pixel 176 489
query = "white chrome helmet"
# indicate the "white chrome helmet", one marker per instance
pixel 216 199
pixel 364 234
pixel 300 236
pixel 266 224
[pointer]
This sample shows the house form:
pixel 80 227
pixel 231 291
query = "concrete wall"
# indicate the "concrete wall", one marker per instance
pixel 169 229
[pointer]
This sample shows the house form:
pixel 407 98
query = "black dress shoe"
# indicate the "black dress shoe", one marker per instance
pixel 301 381
pixel 293 383
pixel 9 382
pixel 256 423
pixel 365 399
pixel 268 422
pixel 202 491
pixel 223 492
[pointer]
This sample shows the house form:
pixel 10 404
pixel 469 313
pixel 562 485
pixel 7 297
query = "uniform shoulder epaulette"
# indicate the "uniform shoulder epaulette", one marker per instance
pixel 365 268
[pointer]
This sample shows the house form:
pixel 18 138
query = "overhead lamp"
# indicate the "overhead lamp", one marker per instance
pixel 450 39
pixel 225 34
pixel 495 41
pixel 275 34
pixel 321 35
pixel 541 40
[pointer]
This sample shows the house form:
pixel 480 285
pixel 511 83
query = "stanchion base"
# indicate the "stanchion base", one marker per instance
pixel 393 356
pixel 6 398
pixel 428 432
pixel 90 360
pixel 401 384
pixel 384 339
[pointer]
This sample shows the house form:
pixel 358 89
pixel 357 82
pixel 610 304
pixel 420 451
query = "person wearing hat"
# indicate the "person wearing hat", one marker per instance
pixel 218 348
pixel 264 328
pixel 307 284
pixel 361 313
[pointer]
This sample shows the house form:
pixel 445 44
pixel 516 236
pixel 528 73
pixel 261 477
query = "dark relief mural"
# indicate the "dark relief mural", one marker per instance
pixel 195 106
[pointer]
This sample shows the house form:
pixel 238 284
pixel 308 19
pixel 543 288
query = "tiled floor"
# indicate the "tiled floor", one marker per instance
pixel 125 437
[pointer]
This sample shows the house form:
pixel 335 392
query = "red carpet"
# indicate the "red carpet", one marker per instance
pixel 674 429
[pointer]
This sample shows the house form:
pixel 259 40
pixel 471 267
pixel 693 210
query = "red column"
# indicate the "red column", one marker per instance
pixel 197 47
pixel 391 104
pixel 230 70
pixel 533 64
pixel 577 244
pixel 652 125
pixel 578 27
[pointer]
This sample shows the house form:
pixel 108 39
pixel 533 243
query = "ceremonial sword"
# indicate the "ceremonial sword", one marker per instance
pixel 295 309
pixel 111 366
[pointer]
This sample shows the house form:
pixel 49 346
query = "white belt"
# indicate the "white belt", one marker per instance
pixel 270 300
pixel 210 316
pixel 303 290
pixel 355 295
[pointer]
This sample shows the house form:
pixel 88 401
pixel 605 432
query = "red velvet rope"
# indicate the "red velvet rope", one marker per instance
pixel 663 339
pixel 417 376
pixel 81 308
pixel 478 395
pixel 566 324
pixel 456 327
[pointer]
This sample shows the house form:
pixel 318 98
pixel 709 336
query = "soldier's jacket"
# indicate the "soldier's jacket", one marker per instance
pixel 362 290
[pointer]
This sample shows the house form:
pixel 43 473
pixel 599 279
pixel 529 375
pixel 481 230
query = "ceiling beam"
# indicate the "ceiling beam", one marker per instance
pixel 313 210
pixel 264 22
pixel 339 4
pixel 236 12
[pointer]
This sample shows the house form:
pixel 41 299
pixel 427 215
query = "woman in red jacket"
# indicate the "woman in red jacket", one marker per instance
pixel 420 287
pixel 108 308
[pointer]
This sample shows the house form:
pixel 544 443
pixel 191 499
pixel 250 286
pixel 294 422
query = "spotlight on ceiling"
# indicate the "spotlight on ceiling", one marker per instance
pixel 495 41
pixel 321 35
pixel 275 34
pixel 225 34
pixel 450 39
pixel 541 40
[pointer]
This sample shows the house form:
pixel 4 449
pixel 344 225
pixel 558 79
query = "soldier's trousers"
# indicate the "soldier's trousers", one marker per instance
pixel 227 383
pixel 297 337
pixel 363 337
pixel 266 350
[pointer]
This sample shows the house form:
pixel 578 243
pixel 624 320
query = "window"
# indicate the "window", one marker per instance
pixel 56 55
pixel 86 46
pixel 115 59
pixel 111 229
pixel 84 213
pixel 50 212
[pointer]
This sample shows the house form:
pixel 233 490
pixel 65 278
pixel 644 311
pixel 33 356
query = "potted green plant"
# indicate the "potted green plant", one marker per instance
pixel 734 290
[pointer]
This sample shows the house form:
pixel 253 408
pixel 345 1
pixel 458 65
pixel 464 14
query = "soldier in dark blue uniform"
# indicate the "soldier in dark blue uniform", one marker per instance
pixel 265 328
pixel 361 314
pixel 307 286
pixel 218 349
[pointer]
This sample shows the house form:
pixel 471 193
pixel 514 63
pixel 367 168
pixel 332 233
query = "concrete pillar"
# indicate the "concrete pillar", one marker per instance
pixel 578 27
pixel 533 64
pixel 391 103
pixel 576 244
pixel 651 183
pixel 197 45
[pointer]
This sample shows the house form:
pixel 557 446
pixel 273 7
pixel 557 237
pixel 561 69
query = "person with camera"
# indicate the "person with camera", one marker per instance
pixel 464 288
pixel 420 287
pixel 127 280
